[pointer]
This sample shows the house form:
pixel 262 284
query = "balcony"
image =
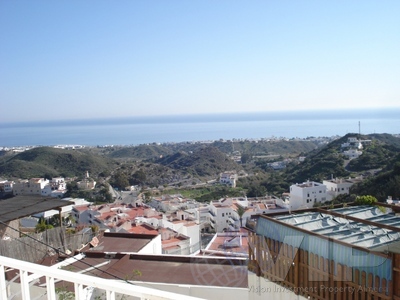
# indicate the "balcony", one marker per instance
pixel 233 219
pixel 85 286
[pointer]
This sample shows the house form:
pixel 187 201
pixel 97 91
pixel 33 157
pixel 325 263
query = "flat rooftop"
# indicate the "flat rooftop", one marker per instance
pixel 121 242
pixel 191 270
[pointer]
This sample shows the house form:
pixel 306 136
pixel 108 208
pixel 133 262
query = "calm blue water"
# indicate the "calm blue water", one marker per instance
pixel 140 130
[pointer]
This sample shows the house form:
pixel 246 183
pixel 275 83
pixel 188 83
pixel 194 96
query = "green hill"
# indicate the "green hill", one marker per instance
pixel 384 184
pixel 324 162
pixel 375 156
pixel 50 162
pixel 141 152
pixel 320 164
pixel 207 161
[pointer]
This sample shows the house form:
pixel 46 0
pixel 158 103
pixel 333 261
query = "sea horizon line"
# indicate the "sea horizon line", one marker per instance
pixel 317 114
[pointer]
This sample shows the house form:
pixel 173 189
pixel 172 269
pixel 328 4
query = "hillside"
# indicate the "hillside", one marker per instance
pixel 320 164
pixel 375 156
pixel 327 161
pixel 141 152
pixel 179 169
pixel 50 162
pixel 207 161
pixel 261 147
pixel 384 184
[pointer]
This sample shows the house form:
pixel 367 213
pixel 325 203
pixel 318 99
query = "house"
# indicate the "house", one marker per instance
pixel 65 211
pixel 307 194
pixel 339 186
pixel 352 153
pixel 228 178
pixel 6 186
pixel 223 213
pixel 33 186
pixel 87 183
pixel 55 187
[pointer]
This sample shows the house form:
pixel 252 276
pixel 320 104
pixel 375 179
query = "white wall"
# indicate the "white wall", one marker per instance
pixel 154 247
pixel 307 194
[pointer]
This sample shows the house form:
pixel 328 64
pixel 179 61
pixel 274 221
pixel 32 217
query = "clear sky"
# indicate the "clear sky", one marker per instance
pixel 94 59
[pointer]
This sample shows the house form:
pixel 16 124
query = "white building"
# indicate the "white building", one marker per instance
pixel 87 183
pixel 220 211
pixel 306 194
pixel 224 215
pixel 56 187
pixel 352 153
pixel 33 186
pixel 65 210
pixel 228 178
pixel 339 186
pixel 6 186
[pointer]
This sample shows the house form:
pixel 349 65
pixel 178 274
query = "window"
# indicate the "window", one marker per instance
pixel 223 214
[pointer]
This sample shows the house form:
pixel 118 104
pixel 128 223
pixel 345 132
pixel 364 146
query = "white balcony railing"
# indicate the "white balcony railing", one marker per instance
pixel 84 284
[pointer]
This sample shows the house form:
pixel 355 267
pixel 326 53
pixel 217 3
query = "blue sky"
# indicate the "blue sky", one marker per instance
pixel 93 59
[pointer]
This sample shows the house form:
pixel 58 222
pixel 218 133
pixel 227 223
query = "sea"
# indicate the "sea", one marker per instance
pixel 199 127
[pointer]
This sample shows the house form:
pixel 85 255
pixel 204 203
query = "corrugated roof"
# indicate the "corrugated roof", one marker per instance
pixel 26 205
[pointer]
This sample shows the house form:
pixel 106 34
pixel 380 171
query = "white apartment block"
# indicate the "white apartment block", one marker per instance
pixel 306 194
pixel 220 211
pixel 33 186
pixel 339 186
pixel 224 217
pixel 56 187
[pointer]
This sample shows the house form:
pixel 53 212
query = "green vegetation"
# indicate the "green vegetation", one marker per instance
pixel 365 200
pixel 240 211
pixel 384 184
pixel 374 156
pixel 50 162
pixel 186 166
pixel 42 225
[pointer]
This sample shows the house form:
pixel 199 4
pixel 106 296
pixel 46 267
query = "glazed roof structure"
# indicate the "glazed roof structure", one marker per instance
pixel 369 227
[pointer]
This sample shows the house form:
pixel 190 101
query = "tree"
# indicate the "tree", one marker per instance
pixel 139 177
pixel 42 226
pixel 120 180
pixel 245 158
pixel 366 200
pixel 240 211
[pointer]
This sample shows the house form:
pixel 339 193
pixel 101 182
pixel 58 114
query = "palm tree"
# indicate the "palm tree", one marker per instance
pixel 240 211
